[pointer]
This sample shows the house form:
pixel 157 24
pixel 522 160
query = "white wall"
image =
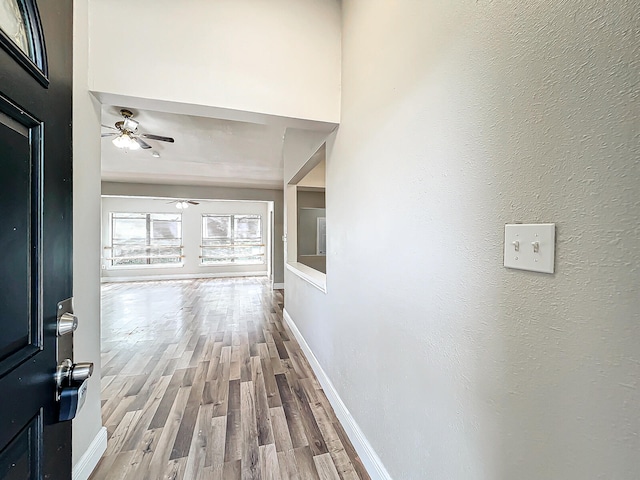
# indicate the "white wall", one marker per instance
pixel 280 57
pixel 86 239
pixel 458 117
pixel 316 178
pixel 191 237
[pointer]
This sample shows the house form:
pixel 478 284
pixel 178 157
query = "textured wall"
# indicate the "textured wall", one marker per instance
pixel 458 117
pixel 280 57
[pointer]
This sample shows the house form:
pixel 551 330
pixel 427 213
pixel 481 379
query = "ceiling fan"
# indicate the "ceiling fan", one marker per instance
pixel 126 135
pixel 182 204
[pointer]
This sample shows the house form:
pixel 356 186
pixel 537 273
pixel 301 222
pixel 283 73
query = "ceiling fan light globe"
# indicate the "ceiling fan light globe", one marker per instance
pixel 133 145
pixel 120 141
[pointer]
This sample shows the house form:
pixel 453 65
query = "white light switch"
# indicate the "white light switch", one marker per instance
pixel 530 246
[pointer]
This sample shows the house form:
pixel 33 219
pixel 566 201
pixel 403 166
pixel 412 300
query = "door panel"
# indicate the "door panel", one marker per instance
pixel 22 330
pixel 35 240
pixel 21 459
pixel 20 146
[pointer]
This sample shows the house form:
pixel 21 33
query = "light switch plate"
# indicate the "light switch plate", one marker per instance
pixel 530 246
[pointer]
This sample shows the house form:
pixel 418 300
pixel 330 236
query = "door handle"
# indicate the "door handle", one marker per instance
pixel 69 373
pixel 71 387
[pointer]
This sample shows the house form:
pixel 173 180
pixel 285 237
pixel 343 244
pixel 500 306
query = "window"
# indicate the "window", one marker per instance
pixel 306 214
pixel 21 36
pixel 233 239
pixel 146 239
pixel 306 225
pixel 321 236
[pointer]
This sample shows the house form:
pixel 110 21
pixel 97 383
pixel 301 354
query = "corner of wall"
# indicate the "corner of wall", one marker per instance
pixel 86 237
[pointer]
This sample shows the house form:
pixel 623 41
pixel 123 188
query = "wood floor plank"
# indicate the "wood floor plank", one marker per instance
pixel 340 457
pixel 175 469
pixel 113 393
pixel 147 388
pixel 103 468
pixel 202 379
pixel 294 421
pixel 171 367
pixel 215 452
pixel 282 351
pixel 135 435
pixel 232 471
pixel 160 459
pixel 270 384
pixel 245 357
pixel 325 467
pixel 249 440
pixel 232 449
pixel 198 351
pixel 121 466
pixel 213 472
pixel 313 433
pixel 269 465
pixel 184 436
pixel 160 417
pixel 220 387
pixel 214 359
pixel 119 436
pixel 201 437
pixel 263 418
pixel 144 453
pixel 280 429
pixel 304 462
pixel 117 413
pixel 351 452
pixel 288 465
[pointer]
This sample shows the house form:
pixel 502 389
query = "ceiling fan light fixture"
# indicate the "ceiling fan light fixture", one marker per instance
pixel 126 136
pixel 182 205
pixel 125 141
pixel 121 141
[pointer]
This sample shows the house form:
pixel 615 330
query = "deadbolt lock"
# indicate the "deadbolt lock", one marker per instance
pixel 67 321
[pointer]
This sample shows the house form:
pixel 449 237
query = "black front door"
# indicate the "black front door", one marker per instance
pixel 35 232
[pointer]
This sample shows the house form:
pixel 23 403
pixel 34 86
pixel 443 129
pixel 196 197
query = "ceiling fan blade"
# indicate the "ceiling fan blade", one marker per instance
pixel 192 202
pixel 157 137
pixel 112 128
pixel 142 143
pixel 109 134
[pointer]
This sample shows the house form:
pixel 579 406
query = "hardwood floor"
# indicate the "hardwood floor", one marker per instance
pixel 203 380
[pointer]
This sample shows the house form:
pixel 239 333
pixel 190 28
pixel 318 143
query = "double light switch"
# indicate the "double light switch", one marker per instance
pixel 530 246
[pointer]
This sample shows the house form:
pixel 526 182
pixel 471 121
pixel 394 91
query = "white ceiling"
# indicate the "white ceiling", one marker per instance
pixel 207 151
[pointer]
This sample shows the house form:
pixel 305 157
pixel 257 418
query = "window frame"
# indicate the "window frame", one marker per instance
pixel 147 216
pixel 35 60
pixel 293 263
pixel 232 242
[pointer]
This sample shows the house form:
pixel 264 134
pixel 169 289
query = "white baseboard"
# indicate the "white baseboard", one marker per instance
pixel 278 286
pixel 181 276
pixel 82 470
pixel 369 458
